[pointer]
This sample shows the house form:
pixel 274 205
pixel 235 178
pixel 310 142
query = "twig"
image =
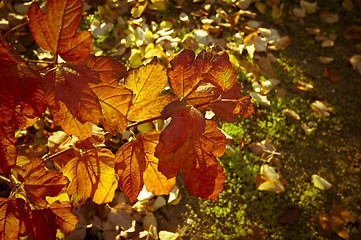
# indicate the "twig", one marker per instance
pixel 141 122
pixel 5 179
pixel 14 28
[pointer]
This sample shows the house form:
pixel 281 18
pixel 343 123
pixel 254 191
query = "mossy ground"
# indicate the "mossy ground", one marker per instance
pixel 332 150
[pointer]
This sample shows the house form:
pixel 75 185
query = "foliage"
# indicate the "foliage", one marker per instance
pixel 81 91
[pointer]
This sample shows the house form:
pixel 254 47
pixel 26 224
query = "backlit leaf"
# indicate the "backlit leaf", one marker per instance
pixel 7 148
pixel 64 219
pixel 136 165
pixel 147 82
pixel 39 183
pixel 56 31
pixel 115 102
pixel 91 175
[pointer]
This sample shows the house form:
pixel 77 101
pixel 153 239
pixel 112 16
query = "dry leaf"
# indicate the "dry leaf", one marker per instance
pixel 309 7
pixel 353 32
pixel 321 108
pixel 332 74
pixel 263 100
pixel 320 182
pixel 329 17
pixel 292 114
pixel 325 59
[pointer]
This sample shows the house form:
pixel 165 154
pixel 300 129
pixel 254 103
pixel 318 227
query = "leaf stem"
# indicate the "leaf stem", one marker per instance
pixel 141 122
pixel 5 179
pixel 46 158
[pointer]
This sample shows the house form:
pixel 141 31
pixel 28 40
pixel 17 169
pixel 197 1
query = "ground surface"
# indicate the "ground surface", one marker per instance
pixel 327 145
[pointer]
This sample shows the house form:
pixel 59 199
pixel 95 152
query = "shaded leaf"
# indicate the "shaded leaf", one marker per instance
pixel 64 219
pixel 68 83
pixel 320 182
pixel 56 31
pixel 7 148
pixel 39 183
pixel 91 175
pixel 196 158
pixel 12 217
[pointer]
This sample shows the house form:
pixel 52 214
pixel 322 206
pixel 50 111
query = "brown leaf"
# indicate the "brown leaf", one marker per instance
pixel 332 74
pixel 353 32
pixel 64 219
pixel 12 217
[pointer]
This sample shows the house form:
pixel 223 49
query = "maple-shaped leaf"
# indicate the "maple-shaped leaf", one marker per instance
pixel 147 82
pixel 196 158
pixel 38 182
pixel 13 213
pixel 91 174
pixel 135 158
pixel 186 122
pixel 68 83
pixel 56 31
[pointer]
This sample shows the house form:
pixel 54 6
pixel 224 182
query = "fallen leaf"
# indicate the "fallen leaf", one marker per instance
pixel 320 182
pixel 355 62
pixel 325 59
pixel 292 114
pixel 309 7
pixel 332 74
pixel 353 32
pixel 321 108
pixel 261 99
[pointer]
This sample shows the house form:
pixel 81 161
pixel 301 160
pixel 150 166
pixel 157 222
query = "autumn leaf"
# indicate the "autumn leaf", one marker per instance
pixel 115 102
pixel 196 158
pixel 56 31
pixel 38 182
pixel 147 82
pixel 64 219
pixel 91 174
pixel 185 117
pixel 21 99
pixel 12 217
pixel 68 83
pixel 136 165
pixel 7 148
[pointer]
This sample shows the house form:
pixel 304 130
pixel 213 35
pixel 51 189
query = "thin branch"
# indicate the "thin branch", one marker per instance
pixel 141 122
pixel 56 154
pixel 14 28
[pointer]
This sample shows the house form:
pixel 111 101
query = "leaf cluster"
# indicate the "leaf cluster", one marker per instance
pixel 82 91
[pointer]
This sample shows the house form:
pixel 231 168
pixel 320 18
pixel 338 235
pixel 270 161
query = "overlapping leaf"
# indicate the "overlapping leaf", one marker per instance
pixel 21 99
pixel 147 82
pixel 39 183
pixel 12 218
pixel 56 31
pixel 136 165
pixel 196 158
pixel 91 174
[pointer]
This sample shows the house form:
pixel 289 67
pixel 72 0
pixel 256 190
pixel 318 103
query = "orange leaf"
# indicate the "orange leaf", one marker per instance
pixel 91 175
pixel 68 83
pixel 147 82
pixel 64 219
pixel 12 218
pixel 70 124
pixel 135 159
pixel 56 31
pixel 39 183
pixel 196 158
pixel 115 101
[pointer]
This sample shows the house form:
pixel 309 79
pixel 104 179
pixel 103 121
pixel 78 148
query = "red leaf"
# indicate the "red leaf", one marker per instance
pixel 56 31
pixel 184 117
pixel 196 158
pixel 69 84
